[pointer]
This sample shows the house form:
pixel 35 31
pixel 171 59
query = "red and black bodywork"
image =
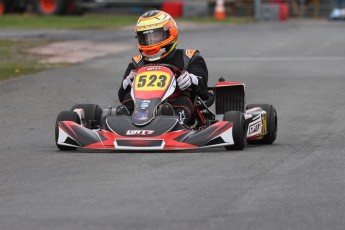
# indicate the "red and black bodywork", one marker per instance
pixel 162 133
pixel 231 126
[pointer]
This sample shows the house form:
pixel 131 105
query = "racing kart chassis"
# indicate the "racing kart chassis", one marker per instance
pixel 233 125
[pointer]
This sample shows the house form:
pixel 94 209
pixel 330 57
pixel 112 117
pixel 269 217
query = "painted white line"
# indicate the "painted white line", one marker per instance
pixel 323 45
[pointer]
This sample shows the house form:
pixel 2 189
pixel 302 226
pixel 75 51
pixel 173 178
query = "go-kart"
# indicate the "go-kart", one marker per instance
pixel 232 125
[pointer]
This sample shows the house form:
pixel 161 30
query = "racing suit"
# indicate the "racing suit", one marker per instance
pixel 188 60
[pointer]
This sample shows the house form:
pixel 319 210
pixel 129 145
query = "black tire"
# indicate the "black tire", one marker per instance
pixel 238 129
pixel 92 111
pixel 65 116
pixel 272 124
pixel 51 7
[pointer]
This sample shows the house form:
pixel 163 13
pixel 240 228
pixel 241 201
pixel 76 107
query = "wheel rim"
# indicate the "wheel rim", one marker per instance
pixel 48 6
pixel 2 8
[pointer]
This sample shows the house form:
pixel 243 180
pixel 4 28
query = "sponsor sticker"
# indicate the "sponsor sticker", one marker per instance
pixel 139 132
pixel 144 104
pixel 141 115
pixel 254 128
pixel 153 68
pixel 148 32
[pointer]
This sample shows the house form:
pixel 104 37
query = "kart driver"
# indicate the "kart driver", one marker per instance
pixel 157 35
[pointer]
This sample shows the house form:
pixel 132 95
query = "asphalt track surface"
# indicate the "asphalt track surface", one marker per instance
pixel 296 183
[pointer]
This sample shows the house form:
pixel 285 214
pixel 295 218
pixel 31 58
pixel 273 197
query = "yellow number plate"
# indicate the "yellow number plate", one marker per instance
pixel 152 80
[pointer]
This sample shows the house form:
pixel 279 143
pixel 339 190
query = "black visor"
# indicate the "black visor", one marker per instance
pixel 151 37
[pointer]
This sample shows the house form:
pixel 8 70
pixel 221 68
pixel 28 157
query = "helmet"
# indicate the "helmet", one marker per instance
pixel 157 34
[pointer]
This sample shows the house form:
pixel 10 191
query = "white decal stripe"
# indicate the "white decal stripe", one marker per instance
pixel 63 137
pixel 106 121
pixel 170 90
pixel 227 136
pixel 171 128
pixel 100 139
pixel 257 117
pixel 187 136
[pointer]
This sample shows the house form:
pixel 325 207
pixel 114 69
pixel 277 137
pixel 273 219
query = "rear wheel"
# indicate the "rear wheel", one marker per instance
pixel 238 129
pixel 65 116
pixel 272 124
pixel 92 112
pixel 51 7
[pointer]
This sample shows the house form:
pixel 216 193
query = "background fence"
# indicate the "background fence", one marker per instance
pixel 296 8
pixel 187 8
pixel 242 8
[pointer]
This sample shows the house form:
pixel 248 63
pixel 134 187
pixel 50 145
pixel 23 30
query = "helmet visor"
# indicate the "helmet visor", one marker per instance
pixel 151 37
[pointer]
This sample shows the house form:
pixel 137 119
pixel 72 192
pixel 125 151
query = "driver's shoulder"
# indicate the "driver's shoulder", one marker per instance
pixel 138 60
pixel 188 56
pixel 188 53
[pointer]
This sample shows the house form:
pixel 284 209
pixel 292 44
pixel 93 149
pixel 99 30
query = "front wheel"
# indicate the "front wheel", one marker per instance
pixel 272 124
pixel 65 116
pixel 238 129
pixel 93 112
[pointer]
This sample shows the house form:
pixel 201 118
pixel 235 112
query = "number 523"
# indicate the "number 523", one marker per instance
pixel 151 81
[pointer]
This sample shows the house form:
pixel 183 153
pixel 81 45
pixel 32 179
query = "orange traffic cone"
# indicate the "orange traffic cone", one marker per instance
pixel 219 12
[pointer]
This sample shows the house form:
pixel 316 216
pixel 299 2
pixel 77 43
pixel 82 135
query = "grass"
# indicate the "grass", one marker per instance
pixel 32 21
pixel 15 62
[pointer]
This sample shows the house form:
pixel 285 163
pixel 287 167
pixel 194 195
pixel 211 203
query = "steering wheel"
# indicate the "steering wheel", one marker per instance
pixel 176 71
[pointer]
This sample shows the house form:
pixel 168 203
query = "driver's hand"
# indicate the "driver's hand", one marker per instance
pixel 185 80
pixel 129 79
